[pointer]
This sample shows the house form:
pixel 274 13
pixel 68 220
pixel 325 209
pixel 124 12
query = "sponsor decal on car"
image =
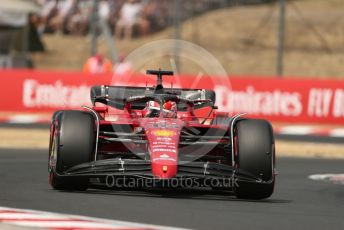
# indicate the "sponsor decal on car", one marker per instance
pixel 164 133
pixel 162 146
pixel 164 156
pixel 163 143
pixel 164 159
pixel 164 139
pixel 164 150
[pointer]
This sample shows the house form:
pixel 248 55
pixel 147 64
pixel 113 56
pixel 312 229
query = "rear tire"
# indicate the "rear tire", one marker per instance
pixel 255 154
pixel 72 142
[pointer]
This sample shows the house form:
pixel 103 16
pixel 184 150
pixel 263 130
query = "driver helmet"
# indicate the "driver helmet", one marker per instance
pixel 152 109
pixel 170 109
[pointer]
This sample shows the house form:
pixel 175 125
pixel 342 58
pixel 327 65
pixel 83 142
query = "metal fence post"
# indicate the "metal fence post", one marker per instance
pixel 177 31
pixel 281 33
pixel 94 27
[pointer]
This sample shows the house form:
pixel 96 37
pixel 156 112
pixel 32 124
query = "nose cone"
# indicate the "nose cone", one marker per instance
pixel 163 148
pixel 164 169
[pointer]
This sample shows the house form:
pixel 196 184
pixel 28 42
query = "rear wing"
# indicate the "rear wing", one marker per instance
pixel 120 93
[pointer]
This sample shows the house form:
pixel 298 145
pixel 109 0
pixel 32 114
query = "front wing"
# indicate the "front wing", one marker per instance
pixel 141 169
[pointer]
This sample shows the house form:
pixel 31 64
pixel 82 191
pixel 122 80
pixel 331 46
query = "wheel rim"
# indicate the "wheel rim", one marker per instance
pixel 53 155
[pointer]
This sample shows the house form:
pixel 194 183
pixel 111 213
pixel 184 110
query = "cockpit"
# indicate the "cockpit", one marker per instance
pixel 153 109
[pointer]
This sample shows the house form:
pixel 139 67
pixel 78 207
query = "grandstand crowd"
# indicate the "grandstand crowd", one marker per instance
pixel 126 18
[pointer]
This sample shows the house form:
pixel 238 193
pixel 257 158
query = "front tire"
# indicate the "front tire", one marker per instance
pixel 255 148
pixel 72 142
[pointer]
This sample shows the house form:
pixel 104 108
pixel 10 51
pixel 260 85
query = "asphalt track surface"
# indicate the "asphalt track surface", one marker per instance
pixel 298 203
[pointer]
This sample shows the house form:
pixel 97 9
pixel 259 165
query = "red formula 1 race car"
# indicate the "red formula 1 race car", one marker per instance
pixel 155 135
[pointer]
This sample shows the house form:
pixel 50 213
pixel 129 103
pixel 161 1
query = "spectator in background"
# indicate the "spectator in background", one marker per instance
pixel 129 16
pixel 122 67
pixel 35 43
pixel 37 22
pixel 78 18
pixel 126 16
pixel 155 16
pixel 115 6
pixel 49 10
pixel 104 10
pixel 143 22
pixel 97 64
pixel 56 14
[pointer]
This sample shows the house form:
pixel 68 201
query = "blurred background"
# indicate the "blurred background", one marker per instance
pixel 284 58
pixel 249 37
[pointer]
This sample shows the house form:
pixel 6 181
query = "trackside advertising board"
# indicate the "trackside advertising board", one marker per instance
pixel 282 100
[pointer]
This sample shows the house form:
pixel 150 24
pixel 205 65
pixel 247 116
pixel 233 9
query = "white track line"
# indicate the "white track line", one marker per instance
pixel 24 119
pixel 330 177
pixel 337 133
pixel 48 220
pixel 296 130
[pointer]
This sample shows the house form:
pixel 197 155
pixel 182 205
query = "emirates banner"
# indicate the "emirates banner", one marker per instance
pixel 282 100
